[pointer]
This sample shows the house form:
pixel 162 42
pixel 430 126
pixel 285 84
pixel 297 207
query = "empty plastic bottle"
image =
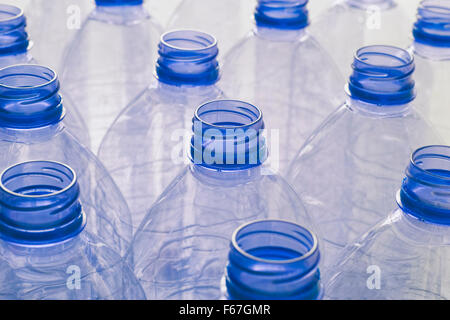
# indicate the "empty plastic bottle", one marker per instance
pixel 180 249
pixel 32 127
pixel 281 68
pixel 53 25
pixel 407 255
pixel 109 62
pixel 351 24
pixel 351 167
pixel 15 45
pixel 44 248
pixel 273 260
pixel 432 55
pixel 229 21
pixel 145 148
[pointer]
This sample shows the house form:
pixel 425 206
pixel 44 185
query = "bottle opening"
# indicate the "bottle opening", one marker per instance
pixel 433 23
pixel 382 75
pixel 425 192
pixel 274 242
pixel 228 134
pixel 13 37
pixel 39 202
pixel 29 97
pixel 187 57
pixel 282 14
pixel 273 259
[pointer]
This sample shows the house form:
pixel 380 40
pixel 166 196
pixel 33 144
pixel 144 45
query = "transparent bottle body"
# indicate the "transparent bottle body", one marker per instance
pixel 146 147
pixel 228 21
pixel 292 80
pixel 432 78
pixel 344 28
pixel 109 62
pixel 402 258
pixel 81 268
pixel 163 10
pixel 63 19
pixel 191 225
pixel 349 170
pixel 105 207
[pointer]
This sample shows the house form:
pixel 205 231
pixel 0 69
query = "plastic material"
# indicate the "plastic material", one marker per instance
pixel 406 256
pixel 287 74
pixel 43 244
pixel 31 111
pixel 432 54
pixel 351 167
pixel 228 20
pixel 273 260
pixel 191 224
pixel 351 24
pixel 63 19
pixel 15 45
pixel 159 122
pixel 109 63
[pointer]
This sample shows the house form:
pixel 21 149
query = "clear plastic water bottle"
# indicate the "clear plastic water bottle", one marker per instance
pixel 145 148
pixel 226 185
pixel 407 255
pixel 15 48
pixel 272 260
pixel 53 25
pixel 351 24
pixel 432 55
pixel 229 21
pixel 109 62
pixel 281 68
pixel 45 253
pixel 162 9
pixel 350 168
pixel 32 127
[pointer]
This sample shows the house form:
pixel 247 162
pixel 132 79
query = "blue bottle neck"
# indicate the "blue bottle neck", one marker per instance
pixel 382 76
pixel 228 135
pixel 187 57
pixel 29 97
pixel 273 260
pixel 425 192
pixel 117 3
pixel 13 36
pixel 432 27
pixel 282 14
pixel 39 203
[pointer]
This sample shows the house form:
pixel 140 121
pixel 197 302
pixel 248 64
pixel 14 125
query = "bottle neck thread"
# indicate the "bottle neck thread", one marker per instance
pixel 432 27
pixel 13 36
pixel 39 203
pixel 187 57
pixel 425 192
pixel 273 260
pixel 228 135
pixel 116 3
pixel 282 14
pixel 383 76
pixel 29 97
